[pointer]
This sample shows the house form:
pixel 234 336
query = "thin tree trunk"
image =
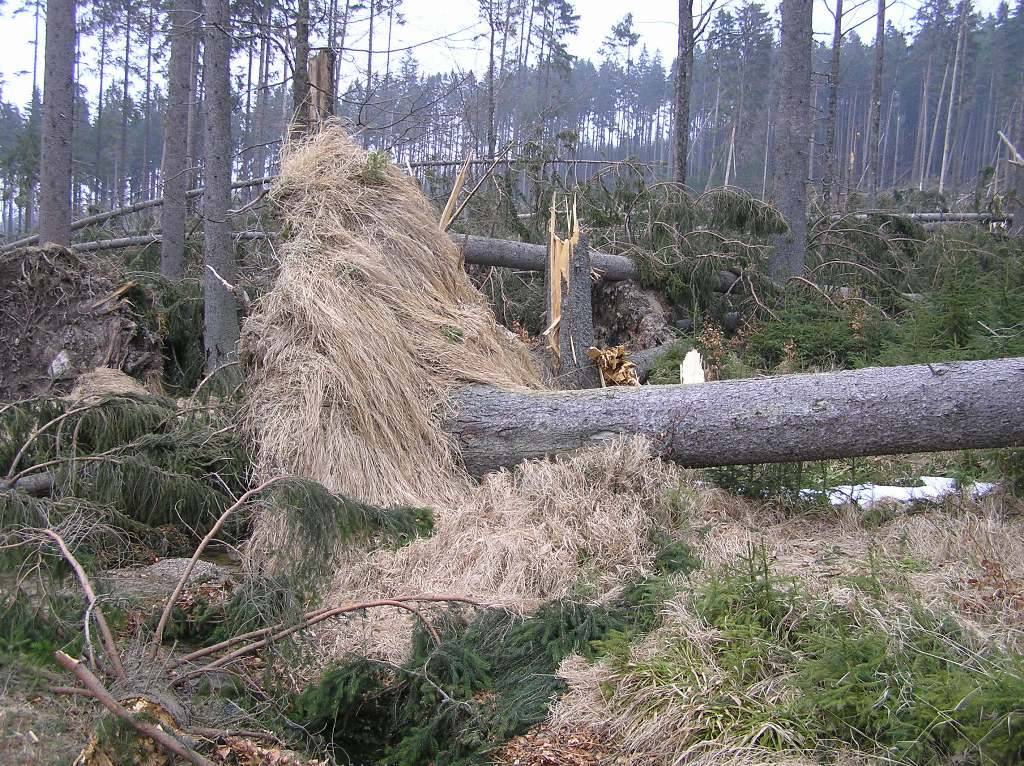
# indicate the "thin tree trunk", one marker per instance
pixel 58 102
pixel 683 86
pixel 947 142
pixel 184 18
pixel 876 107
pixel 930 161
pixel 147 190
pixel 920 141
pixel 792 134
pixel 98 191
pixel 492 131
pixel 300 75
pixel 220 308
pixel 121 171
pixel 829 174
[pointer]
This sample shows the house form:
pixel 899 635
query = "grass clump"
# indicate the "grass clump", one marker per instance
pixel 908 686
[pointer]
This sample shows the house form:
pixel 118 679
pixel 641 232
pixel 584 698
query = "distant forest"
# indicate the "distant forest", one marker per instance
pixel 953 73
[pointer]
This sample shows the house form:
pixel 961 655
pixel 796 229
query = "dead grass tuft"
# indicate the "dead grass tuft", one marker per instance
pixel 370 323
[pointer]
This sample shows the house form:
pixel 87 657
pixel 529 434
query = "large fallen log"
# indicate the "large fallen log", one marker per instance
pixel 487 251
pixel 877 411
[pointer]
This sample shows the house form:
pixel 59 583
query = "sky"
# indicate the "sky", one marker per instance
pixel 462 47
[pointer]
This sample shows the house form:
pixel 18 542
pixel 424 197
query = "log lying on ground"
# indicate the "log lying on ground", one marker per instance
pixel 486 251
pixel 929 217
pixel 106 215
pixel 878 411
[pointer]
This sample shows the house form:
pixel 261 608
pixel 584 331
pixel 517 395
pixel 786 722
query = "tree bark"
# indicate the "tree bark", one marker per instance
pixel 878 411
pixel 486 251
pixel 684 82
pixel 791 140
pixel 300 75
pixel 829 173
pixel 220 309
pixel 876 106
pixel 58 102
pixel 184 17
pixel 947 141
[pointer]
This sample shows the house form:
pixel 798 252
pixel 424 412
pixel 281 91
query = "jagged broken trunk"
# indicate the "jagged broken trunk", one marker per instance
pixel 878 411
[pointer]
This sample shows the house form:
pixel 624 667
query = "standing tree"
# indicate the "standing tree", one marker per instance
pixel 828 178
pixel 220 308
pixel 184 18
pixel 948 138
pixel 300 73
pixel 875 129
pixel 791 139
pixel 684 82
pixel 58 101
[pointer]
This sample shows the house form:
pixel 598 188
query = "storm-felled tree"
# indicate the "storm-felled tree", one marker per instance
pixel 220 307
pixel 58 102
pixel 791 139
pixel 184 22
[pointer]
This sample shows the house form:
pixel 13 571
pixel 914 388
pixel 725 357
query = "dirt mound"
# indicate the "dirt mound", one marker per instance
pixel 62 316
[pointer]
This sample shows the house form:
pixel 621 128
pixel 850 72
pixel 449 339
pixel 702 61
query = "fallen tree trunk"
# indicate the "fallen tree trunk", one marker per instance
pixel 486 251
pixel 106 215
pixel 877 411
pixel 929 217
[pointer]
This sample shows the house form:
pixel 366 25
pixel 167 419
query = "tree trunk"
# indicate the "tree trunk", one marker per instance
pixel 147 191
pixel 98 191
pixel 684 82
pixel 878 411
pixel 300 75
pixel 58 102
pixel 121 171
pixel 947 140
pixel 876 107
pixel 485 251
pixel 184 18
pixel 220 309
pixel 792 134
pixel 829 173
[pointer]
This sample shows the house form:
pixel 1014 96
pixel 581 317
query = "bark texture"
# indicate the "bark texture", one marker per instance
pixel 184 18
pixel 58 101
pixel 487 251
pixel 878 411
pixel 573 368
pixel 792 138
pixel 220 309
pixel 683 84
pixel 876 106
pixel 300 77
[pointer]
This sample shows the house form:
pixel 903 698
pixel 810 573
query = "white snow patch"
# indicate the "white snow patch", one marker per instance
pixel 931 489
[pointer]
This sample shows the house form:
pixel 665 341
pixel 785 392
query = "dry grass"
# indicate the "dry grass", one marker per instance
pixel 370 323
pixel 352 355
pixel 544 531
pixel 105 381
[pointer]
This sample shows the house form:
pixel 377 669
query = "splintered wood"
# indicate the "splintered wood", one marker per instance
pixel 560 253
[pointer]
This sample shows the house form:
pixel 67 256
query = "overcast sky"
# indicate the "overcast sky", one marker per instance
pixel 456 21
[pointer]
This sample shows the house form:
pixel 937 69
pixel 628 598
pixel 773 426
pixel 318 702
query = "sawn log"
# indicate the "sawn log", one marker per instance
pixel 877 411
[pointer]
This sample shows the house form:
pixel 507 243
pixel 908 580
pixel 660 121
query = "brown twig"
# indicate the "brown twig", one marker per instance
pixel 90 596
pixel 266 636
pixel 173 598
pixel 155 733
